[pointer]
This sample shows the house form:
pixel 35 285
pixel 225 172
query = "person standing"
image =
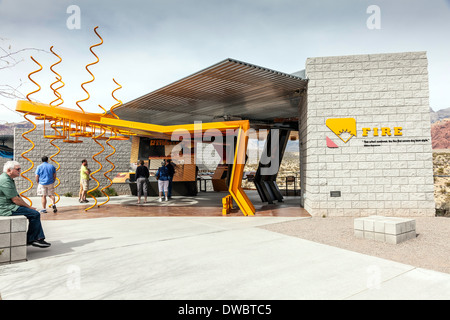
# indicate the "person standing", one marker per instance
pixel 142 175
pixel 84 181
pixel 163 180
pixel 171 166
pixel 45 178
pixel 12 204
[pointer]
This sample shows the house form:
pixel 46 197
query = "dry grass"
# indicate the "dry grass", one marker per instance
pixel 441 167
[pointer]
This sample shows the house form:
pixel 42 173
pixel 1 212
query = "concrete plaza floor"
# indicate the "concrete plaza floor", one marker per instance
pixel 199 258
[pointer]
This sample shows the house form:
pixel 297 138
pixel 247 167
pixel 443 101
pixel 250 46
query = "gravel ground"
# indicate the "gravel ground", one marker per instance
pixel 429 250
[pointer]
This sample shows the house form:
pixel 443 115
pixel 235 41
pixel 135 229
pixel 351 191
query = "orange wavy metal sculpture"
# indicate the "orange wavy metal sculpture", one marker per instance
pixel 57 134
pixel 119 102
pixel 91 64
pixel 102 132
pixel 105 174
pixel 27 132
pixel 58 79
pixel 58 166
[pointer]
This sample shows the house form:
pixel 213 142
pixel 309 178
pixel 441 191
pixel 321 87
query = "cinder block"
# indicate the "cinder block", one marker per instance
pixel 402 225
pixel 5 225
pixel 369 225
pixel 18 253
pixel 379 237
pixel 359 234
pixel 379 227
pixel 392 239
pixel 369 235
pixel 411 226
pixel 358 224
pixel 392 228
pixel 5 240
pixel 18 239
pixel 19 223
pixel 411 235
pixel 5 257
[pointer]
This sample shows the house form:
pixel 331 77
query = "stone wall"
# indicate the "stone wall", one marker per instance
pixel 70 161
pixel 377 171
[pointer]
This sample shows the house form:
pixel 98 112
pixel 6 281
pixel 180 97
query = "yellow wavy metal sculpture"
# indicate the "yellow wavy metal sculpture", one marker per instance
pixel 58 79
pixel 105 174
pixel 27 132
pixel 91 64
pixel 57 134
pixel 102 132
pixel 119 102
pixel 58 166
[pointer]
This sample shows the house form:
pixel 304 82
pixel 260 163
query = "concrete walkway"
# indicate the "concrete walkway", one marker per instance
pixel 204 258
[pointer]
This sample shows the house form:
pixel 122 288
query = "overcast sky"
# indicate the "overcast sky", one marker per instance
pixel 149 44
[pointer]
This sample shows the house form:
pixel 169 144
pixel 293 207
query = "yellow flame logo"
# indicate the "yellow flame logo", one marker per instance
pixel 341 125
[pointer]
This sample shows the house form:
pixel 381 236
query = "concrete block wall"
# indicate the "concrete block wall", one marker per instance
pixel 376 175
pixel 70 161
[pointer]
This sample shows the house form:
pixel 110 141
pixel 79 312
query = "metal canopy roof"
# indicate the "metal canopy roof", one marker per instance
pixel 230 89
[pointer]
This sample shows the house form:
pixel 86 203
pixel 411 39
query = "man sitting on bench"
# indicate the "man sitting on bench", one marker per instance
pixel 12 204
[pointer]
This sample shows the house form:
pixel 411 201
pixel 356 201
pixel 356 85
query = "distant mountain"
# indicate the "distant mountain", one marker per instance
pixel 440 128
pixel 440 134
pixel 7 129
pixel 439 115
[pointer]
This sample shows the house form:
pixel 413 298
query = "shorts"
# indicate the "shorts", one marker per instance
pixel 46 190
pixel 163 185
pixel 84 185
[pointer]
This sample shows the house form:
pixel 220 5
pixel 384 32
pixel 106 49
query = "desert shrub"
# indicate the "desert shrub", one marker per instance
pixel 96 193
pixel 444 209
pixel 111 192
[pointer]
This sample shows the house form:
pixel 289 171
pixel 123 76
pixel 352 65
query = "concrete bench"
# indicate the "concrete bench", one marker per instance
pixel 13 239
pixel 385 229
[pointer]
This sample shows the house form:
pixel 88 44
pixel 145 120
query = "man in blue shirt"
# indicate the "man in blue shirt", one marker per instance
pixel 45 177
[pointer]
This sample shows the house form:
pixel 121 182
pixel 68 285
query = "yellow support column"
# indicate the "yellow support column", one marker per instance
pixel 237 173
pixel 225 207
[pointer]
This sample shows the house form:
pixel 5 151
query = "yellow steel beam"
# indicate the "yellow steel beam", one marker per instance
pixel 139 126
pixel 41 109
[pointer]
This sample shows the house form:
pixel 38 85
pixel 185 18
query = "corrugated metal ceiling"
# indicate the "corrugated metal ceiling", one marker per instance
pixel 228 88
